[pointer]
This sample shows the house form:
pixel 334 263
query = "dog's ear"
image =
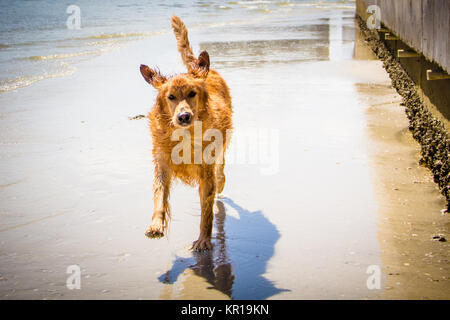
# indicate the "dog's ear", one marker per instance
pixel 153 77
pixel 200 68
pixel 203 61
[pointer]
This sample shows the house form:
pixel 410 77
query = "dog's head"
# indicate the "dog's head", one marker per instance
pixel 182 97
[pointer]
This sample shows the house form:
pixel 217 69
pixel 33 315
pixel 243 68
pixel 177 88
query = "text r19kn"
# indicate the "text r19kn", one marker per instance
pixel 247 309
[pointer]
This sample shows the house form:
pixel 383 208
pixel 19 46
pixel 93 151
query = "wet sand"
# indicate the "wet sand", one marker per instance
pixel 76 178
pixel 412 230
pixel 409 204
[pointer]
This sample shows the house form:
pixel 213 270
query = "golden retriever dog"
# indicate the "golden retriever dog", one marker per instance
pixel 198 96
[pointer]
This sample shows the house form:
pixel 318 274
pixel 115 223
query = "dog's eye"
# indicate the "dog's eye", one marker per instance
pixel 171 97
pixel 192 94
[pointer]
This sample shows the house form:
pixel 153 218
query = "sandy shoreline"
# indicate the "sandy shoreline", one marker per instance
pixel 427 128
pixel 415 264
pixel 411 223
pixel 77 172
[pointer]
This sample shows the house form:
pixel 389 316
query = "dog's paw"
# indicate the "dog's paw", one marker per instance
pixel 202 245
pixel 155 230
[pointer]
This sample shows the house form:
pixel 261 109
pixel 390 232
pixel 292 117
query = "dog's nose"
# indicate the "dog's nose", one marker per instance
pixel 184 118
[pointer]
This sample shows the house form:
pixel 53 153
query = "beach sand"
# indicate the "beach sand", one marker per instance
pixel 341 191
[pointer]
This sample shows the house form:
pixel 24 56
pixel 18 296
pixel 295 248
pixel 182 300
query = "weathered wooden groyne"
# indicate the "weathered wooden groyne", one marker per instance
pixel 412 40
pixel 424 25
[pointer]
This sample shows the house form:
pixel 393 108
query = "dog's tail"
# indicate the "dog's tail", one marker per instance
pixel 181 33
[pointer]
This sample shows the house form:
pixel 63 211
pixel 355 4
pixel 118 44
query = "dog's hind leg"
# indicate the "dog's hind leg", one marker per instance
pixel 219 170
pixel 161 189
pixel 220 178
pixel 207 193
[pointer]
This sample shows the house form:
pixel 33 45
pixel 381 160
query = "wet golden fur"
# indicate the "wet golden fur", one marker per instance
pixel 212 106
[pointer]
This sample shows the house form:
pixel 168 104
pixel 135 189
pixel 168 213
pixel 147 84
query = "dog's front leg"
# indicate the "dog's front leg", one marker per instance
pixel 207 193
pixel 161 189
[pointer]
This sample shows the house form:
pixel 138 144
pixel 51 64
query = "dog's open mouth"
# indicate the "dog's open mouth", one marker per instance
pixel 183 125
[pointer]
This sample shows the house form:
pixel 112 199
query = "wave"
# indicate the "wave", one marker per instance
pixel 253 2
pixel 69 55
pixel 103 43
pixel 102 36
pixel 286 5
pixel 320 4
pixel 59 56
pixel 25 81
pixel 122 35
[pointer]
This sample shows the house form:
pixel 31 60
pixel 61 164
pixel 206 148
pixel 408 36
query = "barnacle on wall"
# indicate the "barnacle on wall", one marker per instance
pixel 426 129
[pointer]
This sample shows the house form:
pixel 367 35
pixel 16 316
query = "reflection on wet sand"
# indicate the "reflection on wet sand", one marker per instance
pixel 235 267
pixel 302 43
pixel 319 31
pixel 252 53
pixel 360 50
pixel 216 271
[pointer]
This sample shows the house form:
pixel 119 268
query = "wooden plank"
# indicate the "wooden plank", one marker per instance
pixel 437 75
pixel 387 13
pixel 436 30
pixel 423 25
pixel 442 43
pixel 389 36
pixel 415 32
pixel 428 28
pixel 402 53
pixel 446 62
pixel 404 18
